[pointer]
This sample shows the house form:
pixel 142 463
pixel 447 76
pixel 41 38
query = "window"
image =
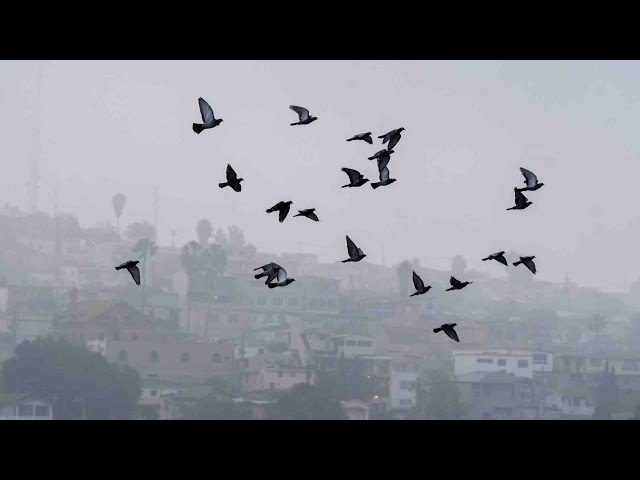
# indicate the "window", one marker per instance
pixel 154 393
pixel 311 303
pixel 276 302
pixel 153 357
pixel 595 362
pixel 185 357
pixel 484 360
pixel 293 301
pixel 365 343
pixel 539 358
pixel 215 358
pixel 322 336
pixel 42 410
pixel 261 300
pixel 214 317
pixel 234 318
pixel 407 385
pixel 25 410
pixel 340 342
pixel 502 362
pixel 123 356
pixel 630 365
pixel 351 343
pixel 523 363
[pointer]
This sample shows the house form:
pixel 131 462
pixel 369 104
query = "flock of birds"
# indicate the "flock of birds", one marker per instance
pixel 277 276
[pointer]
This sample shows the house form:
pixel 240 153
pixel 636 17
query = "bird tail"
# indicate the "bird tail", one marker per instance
pixel 345 186
pixel 269 210
pixel 375 185
pixel 512 208
pixel 350 139
pixel 413 294
pixel 292 124
pixel 272 285
pixel 517 263
pixel 119 268
pixel 260 275
pixel 347 260
pixel 485 259
pixel 436 330
pixel 381 136
pixel 371 158
pixel 222 185
pixel 198 127
pixel 448 289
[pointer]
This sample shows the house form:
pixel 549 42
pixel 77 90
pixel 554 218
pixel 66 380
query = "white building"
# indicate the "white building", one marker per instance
pixel 353 346
pixel 403 390
pixel 24 407
pixel 355 409
pixel 569 406
pixel 522 363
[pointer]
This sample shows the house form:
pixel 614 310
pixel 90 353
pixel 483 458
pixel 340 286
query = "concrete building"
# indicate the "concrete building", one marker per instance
pixel 355 409
pixel 24 407
pixel 521 363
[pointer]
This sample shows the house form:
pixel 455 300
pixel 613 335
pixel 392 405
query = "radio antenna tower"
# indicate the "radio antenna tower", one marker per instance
pixel 34 184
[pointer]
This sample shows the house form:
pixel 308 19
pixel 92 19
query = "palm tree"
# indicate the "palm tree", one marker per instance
pixel 214 263
pixel 190 259
pixel 145 248
pixel 119 201
pixel 404 271
pixel 204 229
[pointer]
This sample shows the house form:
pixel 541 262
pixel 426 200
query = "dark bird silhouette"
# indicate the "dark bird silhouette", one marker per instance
pixel 303 115
pixel 384 179
pixel 528 262
pixel 282 208
pixel 498 257
pixel 208 118
pixel 132 267
pixel 282 280
pixel 393 137
pixel 232 180
pixel 457 284
pixel 521 201
pixel 419 284
pixel 355 178
pixel 309 213
pixel 355 254
pixel 382 154
pixel 448 329
pixel 530 180
pixel 270 271
pixel 362 136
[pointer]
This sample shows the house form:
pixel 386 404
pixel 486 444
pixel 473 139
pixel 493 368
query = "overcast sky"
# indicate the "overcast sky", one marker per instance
pixel 125 126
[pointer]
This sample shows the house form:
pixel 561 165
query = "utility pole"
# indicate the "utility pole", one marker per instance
pixel 35 155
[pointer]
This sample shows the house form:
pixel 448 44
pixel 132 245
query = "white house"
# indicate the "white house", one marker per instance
pixel 355 409
pixel 403 389
pixel 522 363
pixel 24 407
pixel 353 346
pixel 569 406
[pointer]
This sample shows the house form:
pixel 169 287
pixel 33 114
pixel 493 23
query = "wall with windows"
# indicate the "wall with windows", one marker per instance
pixel 594 364
pixel 521 364
pixel 25 410
pixel 354 345
pixel 403 389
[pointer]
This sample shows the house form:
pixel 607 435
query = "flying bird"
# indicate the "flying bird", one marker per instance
pixel 208 118
pixel 382 154
pixel 528 262
pixel 309 213
pixel 498 257
pixel 269 270
pixel 232 180
pixel 521 200
pixel 355 178
pixel 457 284
pixel 303 115
pixel 355 254
pixel 282 280
pixel 132 267
pixel 384 179
pixel 393 137
pixel 448 329
pixel 419 284
pixel 530 180
pixel 362 136
pixel 282 208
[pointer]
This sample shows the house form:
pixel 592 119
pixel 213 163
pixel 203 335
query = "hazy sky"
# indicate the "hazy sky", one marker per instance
pixel 125 126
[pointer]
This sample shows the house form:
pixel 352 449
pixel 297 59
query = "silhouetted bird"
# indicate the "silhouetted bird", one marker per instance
pixel 448 329
pixel 382 154
pixel 355 178
pixel 530 180
pixel 232 180
pixel 282 208
pixel 309 213
pixel 521 201
pixel 497 256
pixel 362 136
pixel 270 271
pixel 528 262
pixel 393 137
pixel 457 284
pixel 303 115
pixel 355 254
pixel 384 179
pixel 282 280
pixel 132 267
pixel 419 284
pixel 208 119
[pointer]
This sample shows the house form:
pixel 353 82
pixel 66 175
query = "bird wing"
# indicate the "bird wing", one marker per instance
pixel 284 211
pixel 272 276
pixel 417 281
pixel 206 111
pixel 122 265
pixel 501 259
pixel 383 162
pixel 351 248
pixel 367 138
pixel 313 216
pixel 531 266
pixel 282 275
pixel 275 207
pixel 275 266
pixel 231 174
pixel 354 175
pixel 451 333
pixel 135 273
pixel 385 138
pixel 529 177
pixel 384 174
pixel 454 282
pixel 520 198
pixel 303 113
pixel 395 138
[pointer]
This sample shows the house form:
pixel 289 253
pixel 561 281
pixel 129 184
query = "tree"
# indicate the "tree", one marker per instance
pixel 236 237
pixel 144 248
pixel 192 265
pixel 118 201
pixel 211 408
pixel 597 323
pixel 404 273
pixel 221 237
pixel 306 402
pixel 139 230
pixel 440 398
pixel 204 230
pixel 214 262
pixel 458 266
pixel 76 381
pixel 607 395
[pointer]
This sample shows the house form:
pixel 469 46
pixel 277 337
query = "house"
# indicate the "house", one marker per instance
pixel 352 346
pixel 403 389
pixel 275 377
pixel 355 409
pixel 522 363
pixel 567 407
pixel 24 407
